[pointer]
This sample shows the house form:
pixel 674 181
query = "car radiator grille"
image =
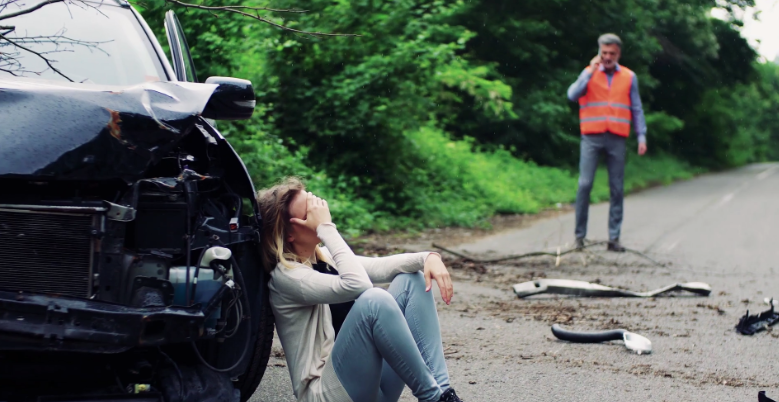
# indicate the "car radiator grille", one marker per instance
pixel 46 252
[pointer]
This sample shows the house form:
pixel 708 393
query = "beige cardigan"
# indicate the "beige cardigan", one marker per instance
pixel 300 296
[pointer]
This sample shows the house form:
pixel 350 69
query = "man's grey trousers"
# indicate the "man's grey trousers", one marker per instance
pixel 592 146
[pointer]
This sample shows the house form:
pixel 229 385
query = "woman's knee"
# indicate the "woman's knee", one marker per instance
pixel 375 297
pixel 414 280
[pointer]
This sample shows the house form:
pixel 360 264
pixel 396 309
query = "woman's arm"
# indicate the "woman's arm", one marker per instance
pixel 305 286
pixel 384 269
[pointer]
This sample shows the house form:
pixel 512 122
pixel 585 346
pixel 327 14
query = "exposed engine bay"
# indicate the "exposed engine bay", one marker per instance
pixel 135 275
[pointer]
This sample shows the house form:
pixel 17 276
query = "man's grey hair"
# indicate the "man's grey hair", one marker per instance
pixel 610 39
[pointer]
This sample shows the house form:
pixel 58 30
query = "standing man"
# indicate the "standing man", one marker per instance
pixel 608 100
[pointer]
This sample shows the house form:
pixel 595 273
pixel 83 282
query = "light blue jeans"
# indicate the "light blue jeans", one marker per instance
pixel 390 339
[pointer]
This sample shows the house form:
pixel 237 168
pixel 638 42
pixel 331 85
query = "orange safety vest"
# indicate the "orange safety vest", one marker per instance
pixel 607 108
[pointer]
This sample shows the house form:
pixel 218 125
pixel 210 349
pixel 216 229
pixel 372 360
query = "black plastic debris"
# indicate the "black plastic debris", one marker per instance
pixel 751 324
pixel 634 342
pixel 762 398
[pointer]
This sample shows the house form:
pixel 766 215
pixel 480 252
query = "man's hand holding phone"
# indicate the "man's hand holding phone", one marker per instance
pixel 595 64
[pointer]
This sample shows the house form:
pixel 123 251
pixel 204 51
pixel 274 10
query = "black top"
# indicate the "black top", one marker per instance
pixel 339 310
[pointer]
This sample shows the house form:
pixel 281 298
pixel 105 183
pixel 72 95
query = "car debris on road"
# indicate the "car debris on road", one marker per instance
pixel 633 341
pixel 752 324
pixel 582 288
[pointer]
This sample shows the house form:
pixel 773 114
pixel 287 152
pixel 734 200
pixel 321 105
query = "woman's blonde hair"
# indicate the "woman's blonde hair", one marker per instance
pixel 274 209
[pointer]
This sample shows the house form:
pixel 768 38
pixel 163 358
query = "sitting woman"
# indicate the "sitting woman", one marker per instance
pixel 345 340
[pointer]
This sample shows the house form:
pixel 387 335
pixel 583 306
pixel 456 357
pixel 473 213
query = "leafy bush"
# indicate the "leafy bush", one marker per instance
pixel 447 112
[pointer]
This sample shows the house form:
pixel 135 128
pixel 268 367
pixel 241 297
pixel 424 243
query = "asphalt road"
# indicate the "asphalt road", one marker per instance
pixel 722 229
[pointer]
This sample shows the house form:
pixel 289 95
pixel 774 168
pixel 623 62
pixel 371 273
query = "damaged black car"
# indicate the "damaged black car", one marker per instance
pixel 129 266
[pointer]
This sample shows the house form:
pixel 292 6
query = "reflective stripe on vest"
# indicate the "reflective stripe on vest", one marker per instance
pixel 607 107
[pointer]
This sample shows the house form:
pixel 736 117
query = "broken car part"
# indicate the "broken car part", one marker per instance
pixel 581 288
pixel 752 324
pixel 634 342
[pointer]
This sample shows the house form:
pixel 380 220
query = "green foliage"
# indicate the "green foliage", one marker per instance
pixel 352 100
pixel 473 183
pixel 676 49
pixel 766 103
pixel 447 112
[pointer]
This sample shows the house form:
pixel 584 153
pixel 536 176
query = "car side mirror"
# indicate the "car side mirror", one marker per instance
pixel 233 99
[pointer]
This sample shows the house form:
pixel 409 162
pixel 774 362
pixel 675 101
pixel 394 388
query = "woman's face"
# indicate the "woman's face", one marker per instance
pixel 300 236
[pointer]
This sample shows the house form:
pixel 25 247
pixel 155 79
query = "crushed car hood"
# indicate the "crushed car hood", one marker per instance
pixel 88 132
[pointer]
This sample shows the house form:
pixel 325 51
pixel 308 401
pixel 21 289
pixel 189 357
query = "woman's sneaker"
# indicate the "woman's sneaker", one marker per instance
pixel 450 396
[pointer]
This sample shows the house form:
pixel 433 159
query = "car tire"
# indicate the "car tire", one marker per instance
pixel 260 352
pixel 247 255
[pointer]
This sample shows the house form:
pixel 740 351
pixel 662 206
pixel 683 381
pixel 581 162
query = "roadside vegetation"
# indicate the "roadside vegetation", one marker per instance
pixel 448 112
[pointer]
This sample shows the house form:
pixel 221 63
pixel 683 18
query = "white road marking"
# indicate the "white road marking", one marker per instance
pixel 762 175
pixel 726 199
pixel 710 206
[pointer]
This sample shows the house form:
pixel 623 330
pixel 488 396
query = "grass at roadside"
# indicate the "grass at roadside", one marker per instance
pixel 460 184
pixel 474 184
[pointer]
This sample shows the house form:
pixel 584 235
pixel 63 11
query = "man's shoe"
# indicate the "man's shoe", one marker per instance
pixel 615 246
pixel 450 396
pixel 579 244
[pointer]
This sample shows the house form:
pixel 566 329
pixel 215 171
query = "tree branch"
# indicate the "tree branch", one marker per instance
pixel 61 40
pixel 48 62
pixel 9 72
pixel 8 62
pixel 29 10
pixel 253 8
pixel 232 9
pixel 238 10
pixel 512 257
pixel 87 5
pixel 538 253
pixel 246 11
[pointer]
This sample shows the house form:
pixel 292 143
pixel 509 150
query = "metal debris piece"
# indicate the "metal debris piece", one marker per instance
pixel 581 288
pixel 751 324
pixel 634 342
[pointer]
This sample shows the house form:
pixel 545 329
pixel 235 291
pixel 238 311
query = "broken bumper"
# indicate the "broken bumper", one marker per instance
pixel 43 322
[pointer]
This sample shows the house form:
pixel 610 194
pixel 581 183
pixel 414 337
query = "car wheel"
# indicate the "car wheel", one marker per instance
pixel 260 353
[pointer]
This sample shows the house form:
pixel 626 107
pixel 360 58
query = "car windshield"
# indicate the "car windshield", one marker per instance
pixel 86 42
